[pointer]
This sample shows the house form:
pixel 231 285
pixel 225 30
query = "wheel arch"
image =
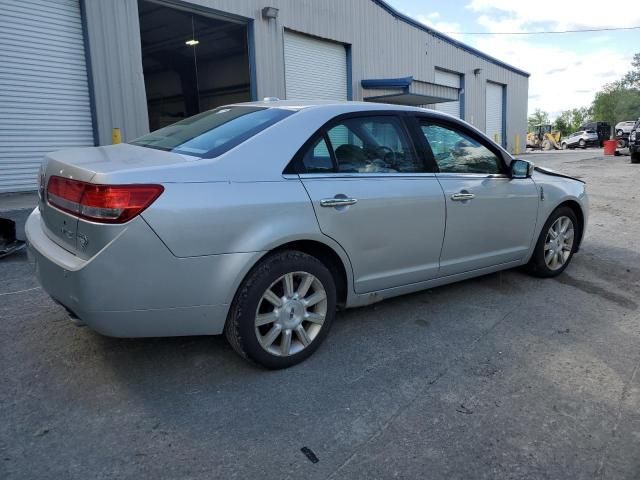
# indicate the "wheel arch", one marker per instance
pixel 577 209
pixel 332 256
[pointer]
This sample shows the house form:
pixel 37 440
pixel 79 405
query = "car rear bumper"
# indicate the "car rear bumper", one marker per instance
pixel 135 287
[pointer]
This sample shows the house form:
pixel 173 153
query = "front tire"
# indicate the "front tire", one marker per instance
pixel 582 143
pixel 635 157
pixel 283 310
pixel 556 244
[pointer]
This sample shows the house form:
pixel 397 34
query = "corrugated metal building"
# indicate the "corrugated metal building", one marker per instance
pixel 72 70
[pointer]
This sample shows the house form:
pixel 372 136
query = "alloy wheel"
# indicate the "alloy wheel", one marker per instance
pixel 558 244
pixel 291 313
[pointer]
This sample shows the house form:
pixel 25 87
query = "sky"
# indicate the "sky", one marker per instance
pixel 566 69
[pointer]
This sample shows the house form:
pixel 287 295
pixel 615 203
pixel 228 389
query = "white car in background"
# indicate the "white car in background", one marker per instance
pixel 581 139
pixel 624 128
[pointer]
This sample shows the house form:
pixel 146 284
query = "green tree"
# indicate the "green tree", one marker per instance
pixel 620 100
pixel 617 104
pixel 563 123
pixel 538 117
pixel 570 121
pixel 632 78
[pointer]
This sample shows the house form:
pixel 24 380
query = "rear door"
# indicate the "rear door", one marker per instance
pixel 373 194
pixel 490 216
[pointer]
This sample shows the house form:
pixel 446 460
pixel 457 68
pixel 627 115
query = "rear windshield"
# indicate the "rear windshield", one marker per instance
pixel 212 133
pixel 591 131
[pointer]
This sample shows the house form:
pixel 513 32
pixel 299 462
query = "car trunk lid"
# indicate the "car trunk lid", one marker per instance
pixel 100 165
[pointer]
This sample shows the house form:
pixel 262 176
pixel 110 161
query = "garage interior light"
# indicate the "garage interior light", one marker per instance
pixel 192 43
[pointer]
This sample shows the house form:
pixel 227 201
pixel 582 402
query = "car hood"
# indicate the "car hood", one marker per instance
pixel 553 173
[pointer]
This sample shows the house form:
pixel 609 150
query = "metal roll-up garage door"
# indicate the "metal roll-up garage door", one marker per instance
pixel 314 69
pixel 450 80
pixel 495 112
pixel 44 94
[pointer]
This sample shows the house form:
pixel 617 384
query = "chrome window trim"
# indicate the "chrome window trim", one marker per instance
pixel 472 175
pixel 366 175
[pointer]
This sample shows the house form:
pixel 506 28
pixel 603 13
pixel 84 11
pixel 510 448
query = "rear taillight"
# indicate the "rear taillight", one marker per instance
pixel 101 203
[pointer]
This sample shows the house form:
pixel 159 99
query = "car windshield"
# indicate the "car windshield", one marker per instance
pixel 212 133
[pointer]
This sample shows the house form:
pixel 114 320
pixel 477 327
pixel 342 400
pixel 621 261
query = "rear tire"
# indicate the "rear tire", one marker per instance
pixel 283 310
pixel 552 254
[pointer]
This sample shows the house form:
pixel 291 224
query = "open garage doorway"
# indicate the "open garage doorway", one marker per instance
pixel 192 62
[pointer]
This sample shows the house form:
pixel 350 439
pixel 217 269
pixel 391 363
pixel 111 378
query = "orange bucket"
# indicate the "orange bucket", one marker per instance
pixel 610 147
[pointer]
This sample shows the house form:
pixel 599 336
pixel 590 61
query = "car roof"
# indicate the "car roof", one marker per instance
pixel 322 104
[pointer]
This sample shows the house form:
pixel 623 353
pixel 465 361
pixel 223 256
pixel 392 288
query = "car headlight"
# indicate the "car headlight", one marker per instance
pixel 633 136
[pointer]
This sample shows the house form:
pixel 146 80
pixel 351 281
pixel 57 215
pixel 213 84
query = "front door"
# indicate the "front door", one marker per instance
pixel 490 217
pixel 373 195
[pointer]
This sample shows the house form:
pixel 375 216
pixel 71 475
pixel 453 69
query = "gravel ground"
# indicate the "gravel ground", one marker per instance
pixel 500 377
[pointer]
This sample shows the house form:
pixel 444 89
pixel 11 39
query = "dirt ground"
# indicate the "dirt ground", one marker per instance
pixel 501 377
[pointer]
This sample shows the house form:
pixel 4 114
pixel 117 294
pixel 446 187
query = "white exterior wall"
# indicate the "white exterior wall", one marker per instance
pixel 382 46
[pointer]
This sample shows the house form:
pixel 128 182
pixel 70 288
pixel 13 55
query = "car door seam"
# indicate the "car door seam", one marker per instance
pixel 315 214
pixel 534 238
pixel 446 219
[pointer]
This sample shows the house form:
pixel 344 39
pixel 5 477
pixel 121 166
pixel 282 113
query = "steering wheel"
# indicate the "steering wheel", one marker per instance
pixel 386 151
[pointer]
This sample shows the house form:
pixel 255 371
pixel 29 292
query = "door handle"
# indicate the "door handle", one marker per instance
pixel 337 202
pixel 462 197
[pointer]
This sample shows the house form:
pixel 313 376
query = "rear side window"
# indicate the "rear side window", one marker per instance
pixel 318 159
pixel 365 145
pixel 210 134
pixel 373 145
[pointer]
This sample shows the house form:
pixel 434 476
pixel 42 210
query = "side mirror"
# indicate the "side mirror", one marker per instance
pixel 521 168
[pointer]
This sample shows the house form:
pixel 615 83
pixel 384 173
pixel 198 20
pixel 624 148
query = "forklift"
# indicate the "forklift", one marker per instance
pixel 543 138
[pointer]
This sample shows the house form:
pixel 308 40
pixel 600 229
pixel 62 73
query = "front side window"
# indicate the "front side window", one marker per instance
pixel 457 152
pixel 210 134
pixel 373 145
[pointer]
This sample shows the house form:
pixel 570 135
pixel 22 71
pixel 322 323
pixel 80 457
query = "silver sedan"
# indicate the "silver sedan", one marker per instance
pixel 260 220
